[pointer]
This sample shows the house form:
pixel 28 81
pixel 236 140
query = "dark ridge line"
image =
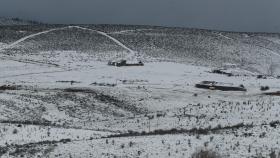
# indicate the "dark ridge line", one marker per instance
pixel 53 125
pixel 194 131
pixel 104 25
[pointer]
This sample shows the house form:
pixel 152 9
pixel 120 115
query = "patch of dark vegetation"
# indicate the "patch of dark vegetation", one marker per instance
pixel 15 131
pixel 10 87
pixel 104 84
pixel 273 154
pixel 3 150
pixel 28 122
pixel 273 93
pixel 274 124
pixel 261 77
pixel 264 88
pixel 30 148
pixel 193 131
pixel 80 90
pixel 71 82
pixel 133 81
pixel 205 154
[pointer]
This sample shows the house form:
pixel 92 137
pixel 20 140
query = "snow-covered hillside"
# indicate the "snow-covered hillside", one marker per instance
pixel 252 51
pixel 60 98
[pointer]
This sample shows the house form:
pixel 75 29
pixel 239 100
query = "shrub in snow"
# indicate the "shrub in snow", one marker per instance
pixel 205 154
pixel 261 77
pixel 274 124
pixel 264 88
pixel 130 144
pixel 15 131
pixel 3 150
pixel 273 154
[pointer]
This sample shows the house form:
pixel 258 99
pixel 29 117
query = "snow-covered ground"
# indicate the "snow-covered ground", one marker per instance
pixel 71 104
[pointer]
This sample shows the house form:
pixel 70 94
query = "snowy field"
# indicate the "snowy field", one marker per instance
pixel 67 103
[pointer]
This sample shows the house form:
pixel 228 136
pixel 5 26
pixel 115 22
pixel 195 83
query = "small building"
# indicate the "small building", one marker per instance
pixel 124 63
pixel 212 85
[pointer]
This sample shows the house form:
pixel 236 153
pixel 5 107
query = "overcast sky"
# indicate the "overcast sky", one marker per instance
pixel 233 15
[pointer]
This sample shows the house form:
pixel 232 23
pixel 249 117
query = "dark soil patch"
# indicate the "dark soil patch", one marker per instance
pixel 28 122
pixel 10 87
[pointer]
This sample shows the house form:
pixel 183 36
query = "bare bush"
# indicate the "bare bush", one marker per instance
pixel 15 131
pixel 264 88
pixel 205 154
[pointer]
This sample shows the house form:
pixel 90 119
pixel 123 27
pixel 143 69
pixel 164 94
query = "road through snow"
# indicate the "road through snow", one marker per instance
pixel 132 52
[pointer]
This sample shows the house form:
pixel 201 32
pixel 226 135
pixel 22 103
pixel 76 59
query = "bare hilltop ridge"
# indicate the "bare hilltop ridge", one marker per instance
pixel 17 21
pixel 253 51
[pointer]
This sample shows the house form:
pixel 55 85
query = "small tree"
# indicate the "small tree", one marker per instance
pixel 264 88
pixel 15 131
pixel 273 154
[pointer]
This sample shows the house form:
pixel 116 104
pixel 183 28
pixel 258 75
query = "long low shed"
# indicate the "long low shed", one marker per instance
pixel 222 88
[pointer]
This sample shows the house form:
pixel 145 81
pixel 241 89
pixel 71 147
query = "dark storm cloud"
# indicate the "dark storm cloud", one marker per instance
pixel 236 15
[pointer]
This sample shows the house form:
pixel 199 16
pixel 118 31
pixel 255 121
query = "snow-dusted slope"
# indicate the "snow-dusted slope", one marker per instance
pixel 59 98
pixel 92 101
pixel 254 52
